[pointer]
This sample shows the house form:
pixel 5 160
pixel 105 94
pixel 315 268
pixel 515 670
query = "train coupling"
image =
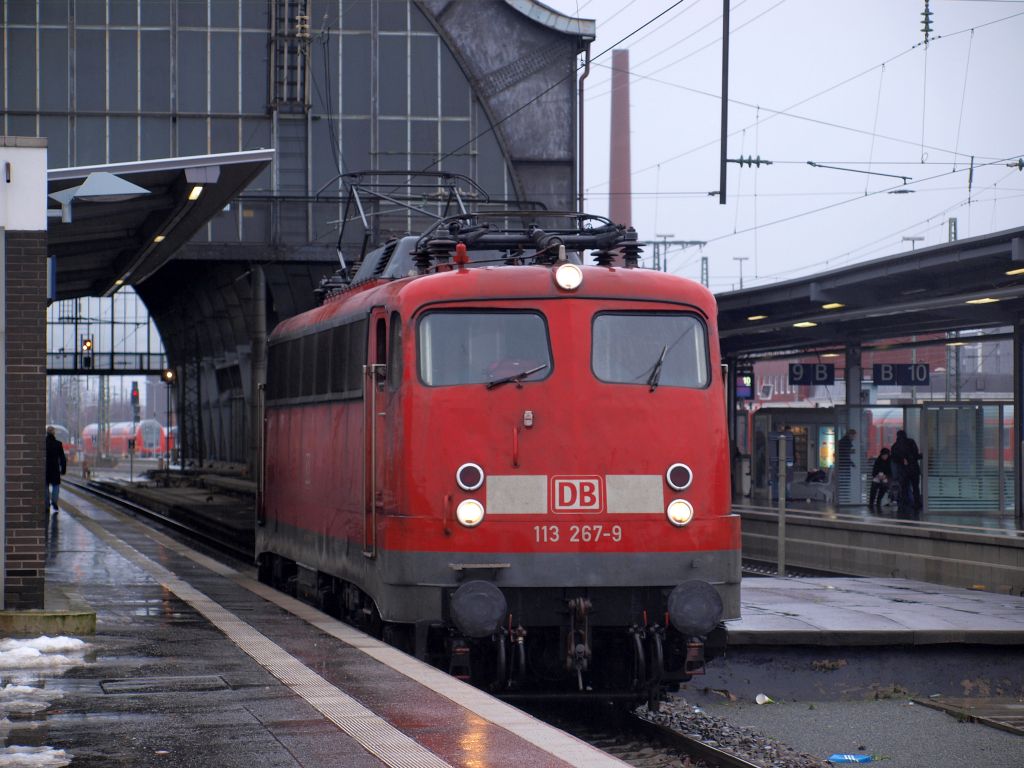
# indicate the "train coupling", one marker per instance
pixel 578 649
pixel 459 660
pixel 694 662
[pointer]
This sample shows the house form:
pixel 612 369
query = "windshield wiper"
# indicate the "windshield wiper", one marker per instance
pixel 652 382
pixel 516 377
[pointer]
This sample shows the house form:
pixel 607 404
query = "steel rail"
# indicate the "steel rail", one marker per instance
pixel 218 543
pixel 690 745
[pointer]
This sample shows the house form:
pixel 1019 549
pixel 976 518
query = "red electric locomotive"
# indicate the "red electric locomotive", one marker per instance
pixel 508 463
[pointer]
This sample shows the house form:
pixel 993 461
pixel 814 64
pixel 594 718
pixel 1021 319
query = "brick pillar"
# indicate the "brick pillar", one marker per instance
pixel 23 287
pixel 25 418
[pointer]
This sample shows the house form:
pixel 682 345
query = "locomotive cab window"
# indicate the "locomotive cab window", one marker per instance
pixel 652 349
pixel 395 352
pixel 460 347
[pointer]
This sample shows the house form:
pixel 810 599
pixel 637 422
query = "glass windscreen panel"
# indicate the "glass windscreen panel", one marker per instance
pixel 627 348
pixel 461 347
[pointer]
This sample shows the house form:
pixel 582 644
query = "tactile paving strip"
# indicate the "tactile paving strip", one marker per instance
pixel 374 733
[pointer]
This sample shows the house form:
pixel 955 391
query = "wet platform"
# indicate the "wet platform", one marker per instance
pixel 196 663
pixel 873 612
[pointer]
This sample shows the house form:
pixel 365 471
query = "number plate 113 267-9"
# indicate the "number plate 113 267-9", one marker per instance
pixel 587 534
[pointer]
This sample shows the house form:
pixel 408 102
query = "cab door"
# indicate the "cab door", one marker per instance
pixel 375 409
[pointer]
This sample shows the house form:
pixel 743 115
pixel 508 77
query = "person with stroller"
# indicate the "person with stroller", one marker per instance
pixel 881 473
pixel 906 463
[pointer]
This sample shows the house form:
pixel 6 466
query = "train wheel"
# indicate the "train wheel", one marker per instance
pixel 401 636
pixel 264 570
pixel 654 698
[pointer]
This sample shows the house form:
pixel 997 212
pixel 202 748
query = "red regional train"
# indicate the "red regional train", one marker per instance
pixel 508 463
pixel 150 438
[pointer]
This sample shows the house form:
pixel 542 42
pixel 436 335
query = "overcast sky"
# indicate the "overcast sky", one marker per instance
pixel 859 90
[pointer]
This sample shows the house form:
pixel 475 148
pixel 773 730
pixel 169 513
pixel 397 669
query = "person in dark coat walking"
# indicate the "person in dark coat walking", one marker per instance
pixel 881 472
pixel 56 465
pixel 906 462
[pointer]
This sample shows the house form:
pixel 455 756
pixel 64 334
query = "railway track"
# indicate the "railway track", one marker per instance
pixel 655 745
pixel 679 736
pixel 197 529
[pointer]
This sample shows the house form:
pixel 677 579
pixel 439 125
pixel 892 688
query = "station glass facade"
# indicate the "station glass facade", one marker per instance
pixel 335 86
pixel 962 420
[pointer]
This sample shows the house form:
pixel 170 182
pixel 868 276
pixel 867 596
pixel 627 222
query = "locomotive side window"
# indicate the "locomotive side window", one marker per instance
pixel 306 371
pixel 482 347
pixel 327 364
pixel 339 360
pixel 651 349
pixel 293 365
pixel 395 353
pixel 321 382
pixel 348 355
pixel 356 359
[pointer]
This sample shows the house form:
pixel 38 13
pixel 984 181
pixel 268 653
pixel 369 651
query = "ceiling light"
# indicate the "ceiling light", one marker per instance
pixel 1016 271
pixel 833 305
pixel 159 238
pixel 197 190
pixel 831 354
pixel 757 317
pixel 119 281
pixel 956 343
pixel 804 324
pixel 986 300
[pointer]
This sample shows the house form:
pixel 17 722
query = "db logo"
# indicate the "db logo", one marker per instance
pixel 576 494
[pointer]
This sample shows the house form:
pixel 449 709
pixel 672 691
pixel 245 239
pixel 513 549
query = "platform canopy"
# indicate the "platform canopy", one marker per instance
pixel 114 225
pixel 964 284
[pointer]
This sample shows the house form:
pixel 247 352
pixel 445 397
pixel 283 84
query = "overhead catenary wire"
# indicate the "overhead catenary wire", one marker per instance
pixel 963 94
pixel 832 260
pixel 834 86
pixel 677 43
pixel 874 126
pixel 773 113
pixel 844 202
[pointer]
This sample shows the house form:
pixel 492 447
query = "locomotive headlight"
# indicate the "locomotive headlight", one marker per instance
pixel 680 512
pixel 679 477
pixel 470 513
pixel 568 276
pixel 469 476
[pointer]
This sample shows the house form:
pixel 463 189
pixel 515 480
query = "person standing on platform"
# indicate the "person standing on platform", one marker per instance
pixel 56 465
pixel 906 462
pixel 881 472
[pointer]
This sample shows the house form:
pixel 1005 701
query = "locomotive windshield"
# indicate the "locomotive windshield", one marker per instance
pixel 654 349
pixel 482 347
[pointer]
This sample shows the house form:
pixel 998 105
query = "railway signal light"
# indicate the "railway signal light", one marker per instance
pixel 135 401
pixel 86 352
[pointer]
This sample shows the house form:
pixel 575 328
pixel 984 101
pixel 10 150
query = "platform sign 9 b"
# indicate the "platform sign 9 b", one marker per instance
pixel 812 374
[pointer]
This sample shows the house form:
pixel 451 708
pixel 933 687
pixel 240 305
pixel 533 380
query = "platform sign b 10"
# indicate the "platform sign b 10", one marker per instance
pixel 812 374
pixel 908 374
